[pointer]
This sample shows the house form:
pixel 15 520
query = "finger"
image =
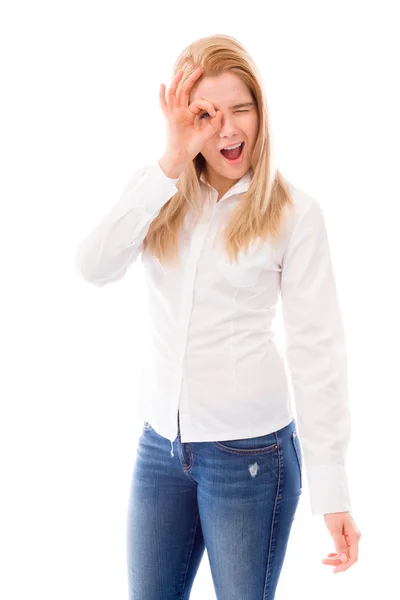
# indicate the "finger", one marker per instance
pixel 332 561
pixel 344 566
pixel 212 126
pixel 163 103
pixel 337 563
pixel 183 94
pixel 201 105
pixel 353 550
pixel 214 123
pixel 171 98
pixel 340 544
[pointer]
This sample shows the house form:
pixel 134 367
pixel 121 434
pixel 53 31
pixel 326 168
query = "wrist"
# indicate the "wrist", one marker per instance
pixel 170 168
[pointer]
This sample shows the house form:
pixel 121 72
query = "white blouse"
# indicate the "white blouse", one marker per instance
pixel 212 352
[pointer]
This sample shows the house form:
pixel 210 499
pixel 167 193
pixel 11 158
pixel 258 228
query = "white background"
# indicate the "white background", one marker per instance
pixel 79 114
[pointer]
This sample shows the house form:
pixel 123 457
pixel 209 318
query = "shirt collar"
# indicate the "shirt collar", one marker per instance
pixel 239 187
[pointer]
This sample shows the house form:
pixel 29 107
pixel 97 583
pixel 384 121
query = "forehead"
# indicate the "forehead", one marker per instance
pixel 225 90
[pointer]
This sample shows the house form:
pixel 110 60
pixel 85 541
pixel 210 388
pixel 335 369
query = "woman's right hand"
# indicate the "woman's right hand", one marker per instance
pixel 186 131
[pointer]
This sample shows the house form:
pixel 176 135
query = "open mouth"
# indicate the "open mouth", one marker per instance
pixel 233 156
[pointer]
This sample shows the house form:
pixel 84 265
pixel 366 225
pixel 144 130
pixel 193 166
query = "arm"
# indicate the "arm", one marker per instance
pixel 316 354
pixel 116 242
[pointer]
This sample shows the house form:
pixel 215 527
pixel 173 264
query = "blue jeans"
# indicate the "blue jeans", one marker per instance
pixel 236 498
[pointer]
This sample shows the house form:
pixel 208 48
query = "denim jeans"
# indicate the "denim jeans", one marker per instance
pixel 235 498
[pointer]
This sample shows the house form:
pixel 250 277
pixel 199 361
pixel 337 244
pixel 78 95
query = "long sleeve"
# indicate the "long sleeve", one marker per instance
pixel 317 361
pixel 116 242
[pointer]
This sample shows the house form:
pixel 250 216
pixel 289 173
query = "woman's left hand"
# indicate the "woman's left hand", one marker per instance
pixel 346 536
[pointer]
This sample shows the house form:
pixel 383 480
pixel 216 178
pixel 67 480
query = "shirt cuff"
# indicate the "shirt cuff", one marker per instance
pixel 328 488
pixel 152 190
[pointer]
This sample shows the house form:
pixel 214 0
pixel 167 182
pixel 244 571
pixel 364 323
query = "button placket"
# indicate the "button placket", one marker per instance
pixel 195 250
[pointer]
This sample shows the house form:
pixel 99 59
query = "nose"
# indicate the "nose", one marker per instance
pixel 228 128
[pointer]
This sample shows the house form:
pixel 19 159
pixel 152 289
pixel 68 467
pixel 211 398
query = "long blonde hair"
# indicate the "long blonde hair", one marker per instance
pixel 261 210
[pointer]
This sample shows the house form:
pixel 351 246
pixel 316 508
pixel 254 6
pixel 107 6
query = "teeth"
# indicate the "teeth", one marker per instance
pixel 232 147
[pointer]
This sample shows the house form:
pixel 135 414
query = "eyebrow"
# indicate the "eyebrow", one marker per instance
pixel 241 105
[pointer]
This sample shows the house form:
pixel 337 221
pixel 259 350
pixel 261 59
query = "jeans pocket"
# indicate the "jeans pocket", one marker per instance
pixel 297 449
pixel 262 444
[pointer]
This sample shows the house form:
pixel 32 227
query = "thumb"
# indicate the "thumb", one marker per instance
pixel 213 125
pixel 340 546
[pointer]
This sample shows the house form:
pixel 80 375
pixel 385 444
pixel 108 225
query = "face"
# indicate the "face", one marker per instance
pixel 239 124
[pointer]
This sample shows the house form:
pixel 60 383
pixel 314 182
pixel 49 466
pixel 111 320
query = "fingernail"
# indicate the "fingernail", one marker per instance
pixel 343 557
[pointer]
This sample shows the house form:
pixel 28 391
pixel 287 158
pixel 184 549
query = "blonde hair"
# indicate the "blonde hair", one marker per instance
pixel 261 210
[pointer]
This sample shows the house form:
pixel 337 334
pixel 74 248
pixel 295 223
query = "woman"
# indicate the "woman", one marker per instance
pixel 215 388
